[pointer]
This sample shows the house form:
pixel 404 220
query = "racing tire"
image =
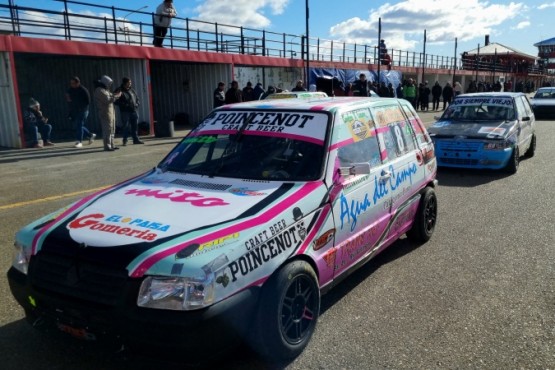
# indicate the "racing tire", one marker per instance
pixel 425 219
pixel 288 312
pixel 512 165
pixel 532 148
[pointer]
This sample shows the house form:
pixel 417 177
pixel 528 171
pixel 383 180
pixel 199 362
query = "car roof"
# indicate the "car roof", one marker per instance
pixel 491 94
pixel 323 104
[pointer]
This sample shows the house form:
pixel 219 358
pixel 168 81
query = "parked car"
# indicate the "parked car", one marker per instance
pixel 297 95
pixel 237 232
pixel 485 130
pixel 543 102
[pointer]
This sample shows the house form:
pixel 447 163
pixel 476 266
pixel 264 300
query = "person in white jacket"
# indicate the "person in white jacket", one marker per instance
pixel 104 100
pixel 162 21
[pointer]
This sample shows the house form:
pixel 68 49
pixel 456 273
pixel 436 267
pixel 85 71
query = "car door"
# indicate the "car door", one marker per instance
pixel 361 206
pixel 524 124
pixel 403 166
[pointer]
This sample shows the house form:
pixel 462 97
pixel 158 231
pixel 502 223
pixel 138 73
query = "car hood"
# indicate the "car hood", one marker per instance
pixel 542 102
pixel 159 210
pixel 472 129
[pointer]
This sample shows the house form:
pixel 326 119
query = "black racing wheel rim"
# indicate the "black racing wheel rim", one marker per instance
pixel 430 215
pixel 298 311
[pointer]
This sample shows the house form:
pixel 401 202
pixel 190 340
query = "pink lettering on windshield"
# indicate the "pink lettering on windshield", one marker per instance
pixel 180 196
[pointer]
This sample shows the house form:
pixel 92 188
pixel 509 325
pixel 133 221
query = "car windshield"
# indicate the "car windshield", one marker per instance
pixel 466 109
pixel 545 94
pixel 247 151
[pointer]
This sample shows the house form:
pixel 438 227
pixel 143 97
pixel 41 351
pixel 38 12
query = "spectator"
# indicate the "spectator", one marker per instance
pixel 349 89
pixel 424 96
pixel 233 94
pixel 410 92
pixel 36 123
pixel 447 95
pixel 457 89
pixel 104 100
pixel 79 99
pixel 399 91
pixel 361 87
pixel 128 104
pixel 258 91
pixel 299 86
pixel 383 91
pixel 382 50
pixel 248 92
pixel 162 21
pixel 436 94
pixel 219 95
pixel 271 90
pixel 391 90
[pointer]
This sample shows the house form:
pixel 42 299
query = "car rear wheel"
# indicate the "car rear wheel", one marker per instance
pixel 532 148
pixel 288 312
pixel 512 165
pixel 426 217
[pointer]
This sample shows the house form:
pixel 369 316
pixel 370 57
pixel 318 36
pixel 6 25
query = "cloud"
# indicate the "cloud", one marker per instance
pixel 545 6
pixel 246 12
pixel 403 23
pixel 522 25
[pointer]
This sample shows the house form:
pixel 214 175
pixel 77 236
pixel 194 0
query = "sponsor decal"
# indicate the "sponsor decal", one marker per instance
pixel 323 239
pixel 359 129
pixel 245 192
pixel 200 139
pixel 180 196
pixel 355 246
pixel 388 115
pixel 223 279
pixel 489 101
pixel 288 239
pixel 197 249
pixel 153 180
pixel 264 235
pixel 492 131
pixel 134 228
pixel 442 124
pixel 329 257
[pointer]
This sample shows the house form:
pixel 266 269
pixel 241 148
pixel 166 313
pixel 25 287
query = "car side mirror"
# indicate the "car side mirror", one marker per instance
pixel 525 118
pixel 355 169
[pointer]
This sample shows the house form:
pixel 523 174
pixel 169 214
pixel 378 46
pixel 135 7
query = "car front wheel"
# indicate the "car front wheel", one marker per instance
pixel 512 165
pixel 288 312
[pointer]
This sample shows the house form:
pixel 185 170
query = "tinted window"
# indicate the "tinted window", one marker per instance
pixel 364 147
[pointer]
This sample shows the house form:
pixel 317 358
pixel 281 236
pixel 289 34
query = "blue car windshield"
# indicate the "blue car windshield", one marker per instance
pixel 479 111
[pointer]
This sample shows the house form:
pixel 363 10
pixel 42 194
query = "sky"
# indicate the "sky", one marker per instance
pixel 517 24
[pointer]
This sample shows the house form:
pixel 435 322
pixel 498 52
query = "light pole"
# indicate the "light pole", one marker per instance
pixel 307 46
pixel 125 27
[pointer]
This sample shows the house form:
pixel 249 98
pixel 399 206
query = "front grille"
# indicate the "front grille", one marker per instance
pixel 201 185
pixel 459 161
pixel 459 146
pixel 77 279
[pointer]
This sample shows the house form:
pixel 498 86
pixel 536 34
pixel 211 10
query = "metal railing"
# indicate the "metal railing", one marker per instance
pixel 197 35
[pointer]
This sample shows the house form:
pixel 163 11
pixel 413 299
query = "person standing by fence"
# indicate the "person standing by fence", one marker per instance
pixel 104 100
pixel 162 21
pixel 128 104
pixel 78 99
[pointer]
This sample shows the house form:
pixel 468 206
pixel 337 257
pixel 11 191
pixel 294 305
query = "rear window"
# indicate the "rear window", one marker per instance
pixel 257 145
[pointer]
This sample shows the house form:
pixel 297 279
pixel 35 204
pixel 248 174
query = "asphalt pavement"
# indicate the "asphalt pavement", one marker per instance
pixel 480 294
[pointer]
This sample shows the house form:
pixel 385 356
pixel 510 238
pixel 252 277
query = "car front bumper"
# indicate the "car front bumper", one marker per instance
pixel 470 155
pixel 195 332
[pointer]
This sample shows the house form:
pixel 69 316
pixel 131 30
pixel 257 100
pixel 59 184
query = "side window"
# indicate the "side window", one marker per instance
pixel 527 109
pixel 421 137
pixel 396 134
pixel 364 146
pixel 520 110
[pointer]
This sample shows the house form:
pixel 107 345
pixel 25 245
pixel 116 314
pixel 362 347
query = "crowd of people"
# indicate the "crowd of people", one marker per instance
pixel 38 128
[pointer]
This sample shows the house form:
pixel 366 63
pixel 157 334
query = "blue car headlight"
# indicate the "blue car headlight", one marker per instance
pixel 497 145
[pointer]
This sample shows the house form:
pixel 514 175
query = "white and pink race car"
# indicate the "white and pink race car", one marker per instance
pixel 235 234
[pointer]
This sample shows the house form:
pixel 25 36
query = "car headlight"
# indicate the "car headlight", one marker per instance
pixel 497 145
pixel 21 258
pixel 176 293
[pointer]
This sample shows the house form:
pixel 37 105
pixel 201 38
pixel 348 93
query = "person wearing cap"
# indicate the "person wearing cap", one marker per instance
pixel 248 92
pixel 299 86
pixel 233 94
pixel 258 91
pixel 128 104
pixel 35 123
pixel 78 100
pixel 162 21
pixel 104 100
pixel 219 95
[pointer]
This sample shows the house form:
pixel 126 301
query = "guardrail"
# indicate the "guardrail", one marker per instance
pixel 191 34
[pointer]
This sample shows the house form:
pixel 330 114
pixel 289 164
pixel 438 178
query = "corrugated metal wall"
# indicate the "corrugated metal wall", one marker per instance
pixel 179 87
pixel 46 78
pixel 9 125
